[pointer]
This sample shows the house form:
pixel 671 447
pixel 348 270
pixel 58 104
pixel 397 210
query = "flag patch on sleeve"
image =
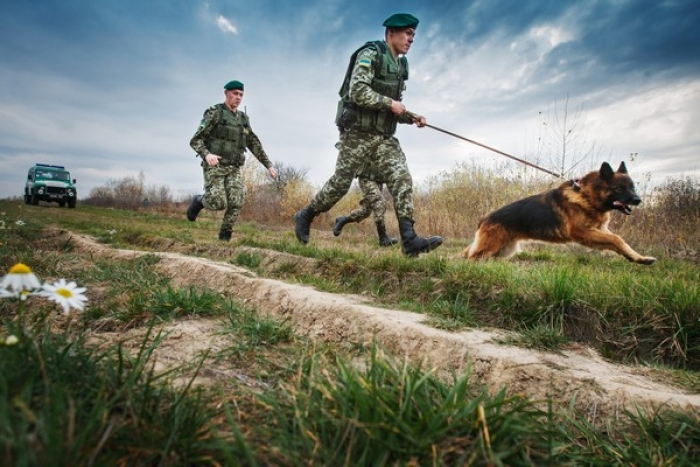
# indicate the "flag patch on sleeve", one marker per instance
pixel 365 62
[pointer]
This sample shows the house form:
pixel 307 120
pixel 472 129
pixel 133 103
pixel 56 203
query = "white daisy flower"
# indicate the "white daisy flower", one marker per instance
pixel 4 293
pixel 19 278
pixel 68 295
pixel 20 222
pixel 11 340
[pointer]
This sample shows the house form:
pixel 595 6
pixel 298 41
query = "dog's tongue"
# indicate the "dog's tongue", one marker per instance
pixel 623 207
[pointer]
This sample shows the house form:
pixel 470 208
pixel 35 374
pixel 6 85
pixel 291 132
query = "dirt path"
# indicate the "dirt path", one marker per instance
pixel 598 385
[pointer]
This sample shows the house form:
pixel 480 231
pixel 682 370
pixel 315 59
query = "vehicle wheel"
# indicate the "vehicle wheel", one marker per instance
pixel 26 198
pixel 34 200
pixel 71 203
pixel 62 203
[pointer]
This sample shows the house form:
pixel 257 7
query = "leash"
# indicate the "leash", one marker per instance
pixel 522 161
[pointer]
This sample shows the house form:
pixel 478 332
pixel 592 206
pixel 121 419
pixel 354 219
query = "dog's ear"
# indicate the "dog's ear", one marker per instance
pixel 606 172
pixel 623 168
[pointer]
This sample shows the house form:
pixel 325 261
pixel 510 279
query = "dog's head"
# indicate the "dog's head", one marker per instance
pixel 612 190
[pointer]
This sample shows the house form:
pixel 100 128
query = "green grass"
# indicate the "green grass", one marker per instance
pixel 542 337
pixel 336 411
pixel 389 413
pixel 281 400
pixel 253 330
pixel 131 291
pixel 63 403
pixel 631 313
pixel 248 260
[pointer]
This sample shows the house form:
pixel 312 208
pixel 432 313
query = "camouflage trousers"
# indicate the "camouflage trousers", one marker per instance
pixel 370 156
pixel 372 202
pixel 224 188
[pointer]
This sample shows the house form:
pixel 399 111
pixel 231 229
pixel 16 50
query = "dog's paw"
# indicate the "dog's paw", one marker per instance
pixel 465 253
pixel 646 260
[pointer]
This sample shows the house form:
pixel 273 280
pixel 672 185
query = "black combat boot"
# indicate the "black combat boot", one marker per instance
pixel 195 207
pixel 302 223
pixel 225 234
pixel 412 244
pixel 384 239
pixel 339 224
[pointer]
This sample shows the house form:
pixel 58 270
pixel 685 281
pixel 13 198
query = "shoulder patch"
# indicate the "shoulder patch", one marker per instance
pixel 364 62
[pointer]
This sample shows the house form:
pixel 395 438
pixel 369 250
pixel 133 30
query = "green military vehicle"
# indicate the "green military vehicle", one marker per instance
pixel 50 183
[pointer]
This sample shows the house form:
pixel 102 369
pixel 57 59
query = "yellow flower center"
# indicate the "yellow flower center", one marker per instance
pixel 65 293
pixel 20 268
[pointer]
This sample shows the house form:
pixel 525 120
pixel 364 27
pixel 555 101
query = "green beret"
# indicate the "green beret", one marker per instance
pixel 233 85
pixel 401 20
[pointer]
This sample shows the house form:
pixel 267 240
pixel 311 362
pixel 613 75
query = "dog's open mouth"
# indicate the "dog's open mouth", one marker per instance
pixel 624 208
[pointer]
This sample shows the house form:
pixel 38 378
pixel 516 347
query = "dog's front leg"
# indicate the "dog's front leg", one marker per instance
pixel 606 240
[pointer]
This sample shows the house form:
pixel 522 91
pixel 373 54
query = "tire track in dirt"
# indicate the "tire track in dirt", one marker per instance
pixel 597 385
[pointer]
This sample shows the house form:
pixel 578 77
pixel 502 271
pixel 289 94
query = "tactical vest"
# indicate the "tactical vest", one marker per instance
pixel 389 77
pixel 228 138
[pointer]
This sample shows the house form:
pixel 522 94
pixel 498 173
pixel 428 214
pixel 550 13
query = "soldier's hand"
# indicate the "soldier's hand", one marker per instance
pixel 419 120
pixel 212 159
pixel 397 107
pixel 272 172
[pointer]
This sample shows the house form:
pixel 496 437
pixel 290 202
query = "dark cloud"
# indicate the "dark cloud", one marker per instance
pixel 643 36
pixel 508 18
pixel 111 81
pixel 633 44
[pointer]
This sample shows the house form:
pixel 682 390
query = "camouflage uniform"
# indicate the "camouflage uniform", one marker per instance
pixel 224 186
pixel 372 202
pixel 367 147
pixel 369 155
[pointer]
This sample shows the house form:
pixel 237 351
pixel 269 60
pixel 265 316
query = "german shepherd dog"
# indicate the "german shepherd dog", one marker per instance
pixel 577 212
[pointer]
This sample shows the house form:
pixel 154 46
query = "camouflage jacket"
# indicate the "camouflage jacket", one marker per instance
pixel 200 140
pixel 361 92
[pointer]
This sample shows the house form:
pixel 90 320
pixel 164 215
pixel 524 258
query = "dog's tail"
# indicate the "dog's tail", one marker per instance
pixel 475 250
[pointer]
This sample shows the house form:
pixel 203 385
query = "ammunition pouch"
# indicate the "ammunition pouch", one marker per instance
pixel 346 115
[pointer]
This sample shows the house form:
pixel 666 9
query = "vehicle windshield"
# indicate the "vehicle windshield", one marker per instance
pixel 52 175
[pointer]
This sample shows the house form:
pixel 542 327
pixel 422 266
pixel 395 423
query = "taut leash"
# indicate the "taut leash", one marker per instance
pixel 530 164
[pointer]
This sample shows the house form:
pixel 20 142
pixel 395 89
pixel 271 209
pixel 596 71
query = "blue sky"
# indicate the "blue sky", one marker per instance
pixel 114 88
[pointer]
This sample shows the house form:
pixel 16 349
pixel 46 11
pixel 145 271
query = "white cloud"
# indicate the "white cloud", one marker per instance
pixel 551 34
pixel 225 25
pixel 140 111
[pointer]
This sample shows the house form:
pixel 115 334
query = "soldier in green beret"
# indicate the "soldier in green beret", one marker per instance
pixel 368 112
pixel 233 85
pixel 221 140
pixel 400 21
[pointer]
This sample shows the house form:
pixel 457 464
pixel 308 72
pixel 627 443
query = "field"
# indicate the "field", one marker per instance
pixel 263 351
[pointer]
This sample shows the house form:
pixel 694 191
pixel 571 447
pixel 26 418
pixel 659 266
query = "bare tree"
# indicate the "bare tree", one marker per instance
pixel 563 139
pixel 287 174
pixel 129 193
